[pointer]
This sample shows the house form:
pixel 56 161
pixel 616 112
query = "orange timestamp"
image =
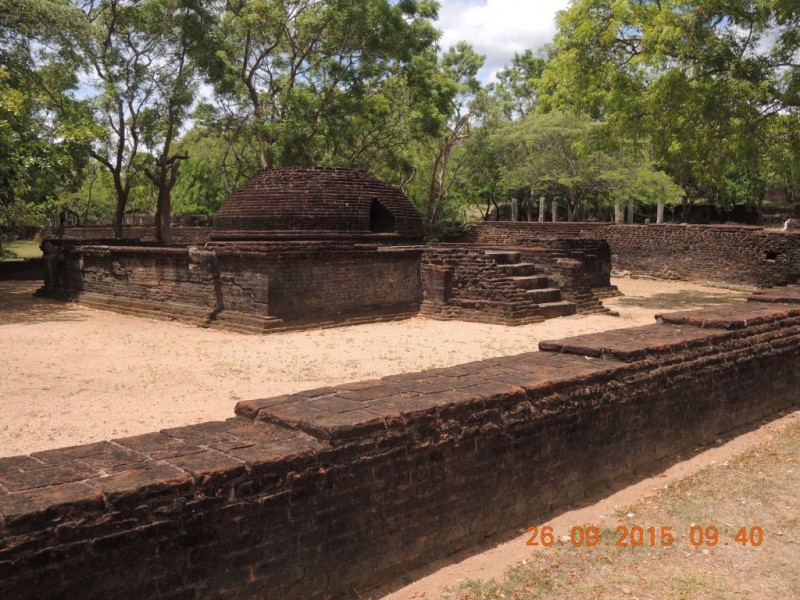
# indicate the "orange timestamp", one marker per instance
pixel 590 536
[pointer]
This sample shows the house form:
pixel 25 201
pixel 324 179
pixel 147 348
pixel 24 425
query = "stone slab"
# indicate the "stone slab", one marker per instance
pixel 635 343
pixel 733 316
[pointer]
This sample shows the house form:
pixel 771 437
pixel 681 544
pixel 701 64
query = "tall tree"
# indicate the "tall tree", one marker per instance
pixel 456 80
pixel 42 140
pixel 564 156
pixel 120 86
pixel 694 80
pixel 174 25
pixel 517 84
pixel 294 72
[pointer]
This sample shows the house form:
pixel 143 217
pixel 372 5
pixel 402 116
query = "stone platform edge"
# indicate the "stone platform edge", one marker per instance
pixel 313 494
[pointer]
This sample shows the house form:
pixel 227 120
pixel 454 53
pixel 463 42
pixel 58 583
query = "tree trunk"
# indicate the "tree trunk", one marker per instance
pixel 630 212
pixel 164 216
pixel 165 178
pixel 686 208
pixel 619 213
pixel 496 210
pixel 119 215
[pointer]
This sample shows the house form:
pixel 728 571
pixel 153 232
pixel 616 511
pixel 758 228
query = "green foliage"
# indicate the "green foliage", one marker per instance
pixel 95 200
pixel 694 83
pixel 180 101
pixel 304 77
pixel 208 175
pixel 444 231
pixel 440 155
pixel 517 84
pixel 783 158
pixel 41 156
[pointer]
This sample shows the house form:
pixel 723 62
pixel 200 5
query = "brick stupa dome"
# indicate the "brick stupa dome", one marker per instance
pixel 312 203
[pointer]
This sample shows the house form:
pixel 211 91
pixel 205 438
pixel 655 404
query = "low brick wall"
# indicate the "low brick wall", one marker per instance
pixel 250 287
pixel 29 269
pixel 314 494
pixel 716 254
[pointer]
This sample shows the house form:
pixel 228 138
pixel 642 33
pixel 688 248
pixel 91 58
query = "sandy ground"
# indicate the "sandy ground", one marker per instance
pixel 73 375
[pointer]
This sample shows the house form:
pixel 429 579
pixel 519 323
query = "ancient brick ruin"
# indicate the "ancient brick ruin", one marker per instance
pixel 314 494
pixel 726 255
pixel 512 286
pixel 310 247
pixel 317 493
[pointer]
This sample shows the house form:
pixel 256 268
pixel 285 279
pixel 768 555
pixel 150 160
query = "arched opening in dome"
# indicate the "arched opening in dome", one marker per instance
pixel 380 219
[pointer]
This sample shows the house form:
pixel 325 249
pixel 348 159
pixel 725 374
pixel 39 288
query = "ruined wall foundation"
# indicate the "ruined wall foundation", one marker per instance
pixel 716 254
pixel 249 287
pixel 317 493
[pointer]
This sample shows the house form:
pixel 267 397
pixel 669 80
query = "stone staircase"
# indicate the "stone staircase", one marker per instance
pixel 548 302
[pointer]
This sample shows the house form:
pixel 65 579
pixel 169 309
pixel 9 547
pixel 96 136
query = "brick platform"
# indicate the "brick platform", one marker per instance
pixel 313 494
pixel 252 287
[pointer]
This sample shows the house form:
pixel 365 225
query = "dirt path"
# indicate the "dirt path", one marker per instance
pixel 73 375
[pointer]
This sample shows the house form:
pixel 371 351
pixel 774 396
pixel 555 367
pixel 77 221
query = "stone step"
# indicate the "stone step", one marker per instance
pixel 502 257
pixel 522 269
pixel 530 282
pixel 551 310
pixel 544 295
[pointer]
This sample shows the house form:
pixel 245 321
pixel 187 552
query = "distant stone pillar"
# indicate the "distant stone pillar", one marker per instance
pixel 630 212
pixel 514 209
pixel 542 209
pixel 660 213
pixel 529 210
pixel 619 213
pixel 554 209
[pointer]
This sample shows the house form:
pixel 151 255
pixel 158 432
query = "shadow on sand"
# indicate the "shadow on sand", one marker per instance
pixel 18 305
pixel 683 299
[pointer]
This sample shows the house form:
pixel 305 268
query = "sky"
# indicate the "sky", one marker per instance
pixel 498 28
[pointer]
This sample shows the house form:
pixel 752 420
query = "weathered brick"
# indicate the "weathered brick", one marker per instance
pixel 47 476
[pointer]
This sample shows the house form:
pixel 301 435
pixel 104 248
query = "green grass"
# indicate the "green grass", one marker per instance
pixel 21 249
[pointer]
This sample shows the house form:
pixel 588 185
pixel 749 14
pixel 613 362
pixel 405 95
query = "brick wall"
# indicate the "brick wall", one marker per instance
pixel 29 269
pixel 718 254
pixel 312 495
pixel 251 287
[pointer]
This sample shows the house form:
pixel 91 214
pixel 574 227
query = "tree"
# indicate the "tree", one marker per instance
pixel 553 155
pixel 141 88
pixel 455 77
pixel 783 157
pixel 174 24
pixel 210 172
pixel 696 82
pixel 41 156
pixel 292 73
pixel 517 84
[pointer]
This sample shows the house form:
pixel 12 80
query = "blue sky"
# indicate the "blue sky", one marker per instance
pixel 498 28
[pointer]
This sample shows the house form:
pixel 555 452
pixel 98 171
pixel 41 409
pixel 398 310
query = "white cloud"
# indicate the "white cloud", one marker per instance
pixel 498 28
